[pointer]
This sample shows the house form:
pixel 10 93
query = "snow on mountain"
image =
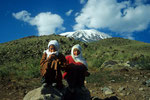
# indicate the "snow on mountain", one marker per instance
pixel 86 35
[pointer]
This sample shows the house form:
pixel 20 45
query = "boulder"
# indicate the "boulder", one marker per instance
pixel 112 65
pixel 42 93
pixel 107 91
pixel 51 93
pixel 119 65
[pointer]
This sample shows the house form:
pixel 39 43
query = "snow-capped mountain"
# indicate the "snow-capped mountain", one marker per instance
pixel 86 35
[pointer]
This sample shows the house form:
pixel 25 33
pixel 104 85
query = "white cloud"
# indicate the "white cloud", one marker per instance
pixel 118 17
pixel 128 36
pixel 76 14
pixel 68 13
pixel 46 22
pixel 22 15
pixel 82 1
pixel 140 2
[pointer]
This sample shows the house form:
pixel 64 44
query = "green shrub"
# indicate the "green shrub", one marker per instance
pixel 142 61
pixel 102 77
pixel 98 62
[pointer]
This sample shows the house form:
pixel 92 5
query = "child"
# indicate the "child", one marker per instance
pixel 52 63
pixel 77 68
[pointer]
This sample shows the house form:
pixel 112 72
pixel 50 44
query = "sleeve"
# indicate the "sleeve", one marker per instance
pixel 43 60
pixel 63 59
pixel 63 62
pixel 67 59
pixel 43 64
pixel 86 73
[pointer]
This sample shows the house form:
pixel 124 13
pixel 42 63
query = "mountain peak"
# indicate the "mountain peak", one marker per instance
pixel 86 35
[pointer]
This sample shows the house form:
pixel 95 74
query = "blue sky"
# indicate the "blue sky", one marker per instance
pixel 118 18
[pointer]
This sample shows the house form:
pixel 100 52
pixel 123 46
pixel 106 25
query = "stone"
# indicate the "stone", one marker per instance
pixel 107 90
pixel 85 82
pixel 122 94
pixel 141 89
pixel 110 62
pixel 145 77
pixel 91 91
pixel 110 87
pixel 137 78
pixel 126 75
pixel 121 89
pixel 112 81
pixel 108 65
pixel 127 64
pixel 42 93
pixel 51 93
pixel 148 83
pixel 128 93
pixel 144 96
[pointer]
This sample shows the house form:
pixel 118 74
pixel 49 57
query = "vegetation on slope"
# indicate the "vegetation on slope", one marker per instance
pixel 118 49
pixel 20 58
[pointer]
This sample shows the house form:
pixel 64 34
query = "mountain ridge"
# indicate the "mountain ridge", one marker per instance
pixel 86 35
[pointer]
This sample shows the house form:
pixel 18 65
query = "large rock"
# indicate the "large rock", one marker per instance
pixel 118 65
pixel 42 93
pixel 111 65
pixel 51 93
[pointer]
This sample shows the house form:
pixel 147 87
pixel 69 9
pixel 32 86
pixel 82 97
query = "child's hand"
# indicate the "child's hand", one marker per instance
pixel 87 74
pixel 51 57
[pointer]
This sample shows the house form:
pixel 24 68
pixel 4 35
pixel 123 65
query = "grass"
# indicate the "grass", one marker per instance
pixel 117 49
pixel 21 70
pixel 100 78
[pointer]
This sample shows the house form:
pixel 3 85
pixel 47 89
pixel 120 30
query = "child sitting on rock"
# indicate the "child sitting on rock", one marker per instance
pixel 76 68
pixel 52 63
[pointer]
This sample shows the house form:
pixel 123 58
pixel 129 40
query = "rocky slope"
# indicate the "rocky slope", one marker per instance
pixel 125 84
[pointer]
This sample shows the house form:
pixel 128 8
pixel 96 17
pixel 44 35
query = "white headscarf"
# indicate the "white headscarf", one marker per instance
pixel 78 58
pixel 56 44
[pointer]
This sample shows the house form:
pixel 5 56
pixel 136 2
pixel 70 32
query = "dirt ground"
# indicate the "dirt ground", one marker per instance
pixel 132 89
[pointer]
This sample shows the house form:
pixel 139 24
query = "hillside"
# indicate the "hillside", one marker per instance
pixel 27 52
pixel 24 54
pixel 20 59
pixel 118 49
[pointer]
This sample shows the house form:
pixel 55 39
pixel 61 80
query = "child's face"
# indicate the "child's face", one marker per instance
pixel 52 48
pixel 76 52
